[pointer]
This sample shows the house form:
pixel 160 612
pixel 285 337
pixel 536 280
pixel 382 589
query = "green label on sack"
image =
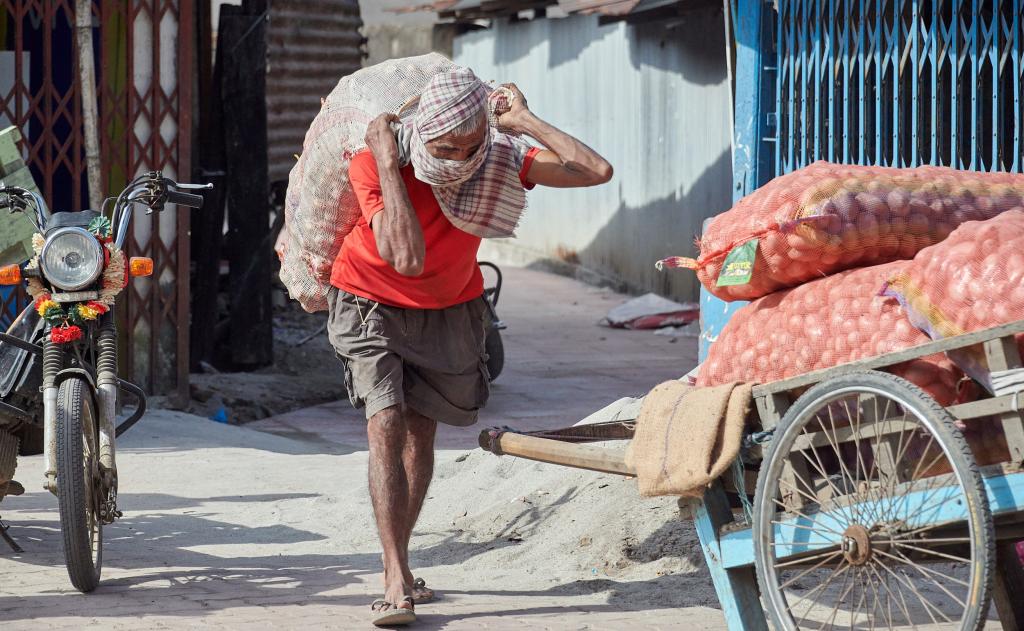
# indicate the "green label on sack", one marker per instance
pixel 739 265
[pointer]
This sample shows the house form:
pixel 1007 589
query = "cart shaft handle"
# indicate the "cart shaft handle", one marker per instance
pixel 605 460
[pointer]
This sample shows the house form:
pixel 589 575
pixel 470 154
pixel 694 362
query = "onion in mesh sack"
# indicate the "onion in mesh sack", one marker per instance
pixel 826 218
pixel 971 281
pixel 821 324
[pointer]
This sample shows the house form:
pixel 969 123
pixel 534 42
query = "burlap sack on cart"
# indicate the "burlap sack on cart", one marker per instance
pixel 826 218
pixel 973 280
pixel 687 437
pixel 821 324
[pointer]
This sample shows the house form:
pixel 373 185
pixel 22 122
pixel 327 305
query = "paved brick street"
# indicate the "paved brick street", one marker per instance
pixel 267 526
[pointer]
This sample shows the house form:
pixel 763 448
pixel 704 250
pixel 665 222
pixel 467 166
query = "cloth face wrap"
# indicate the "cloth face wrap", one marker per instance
pixel 450 100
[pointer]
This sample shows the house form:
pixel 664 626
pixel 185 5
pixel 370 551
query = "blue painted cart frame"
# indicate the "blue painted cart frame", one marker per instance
pixel 728 544
pixel 729 548
pixel 880 82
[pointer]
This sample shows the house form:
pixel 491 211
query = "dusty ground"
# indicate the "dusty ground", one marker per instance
pixel 269 526
pixel 298 378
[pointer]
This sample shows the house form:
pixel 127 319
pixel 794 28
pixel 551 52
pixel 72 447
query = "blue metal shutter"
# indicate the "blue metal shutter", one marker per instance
pixel 900 83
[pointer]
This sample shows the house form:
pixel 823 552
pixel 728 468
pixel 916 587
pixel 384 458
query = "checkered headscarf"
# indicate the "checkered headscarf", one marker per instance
pixel 482 195
pixel 450 99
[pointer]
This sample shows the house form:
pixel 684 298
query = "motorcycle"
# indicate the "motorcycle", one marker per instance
pixel 492 342
pixel 58 360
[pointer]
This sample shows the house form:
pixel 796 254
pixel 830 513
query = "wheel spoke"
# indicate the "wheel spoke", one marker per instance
pixel 833 441
pixel 807 496
pixel 926 572
pixel 861 466
pixel 841 569
pixel 900 452
pixel 941 555
pixel 856 609
pixel 884 511
pixel 933 462
pixel 828 479
pixel 810 519
pixel 843 591
pixel 884 582
pixel 805 560
pixel 875 507
pixel 817 464
pixel 807 571
pixel 933 485
pixel 927 501
pixel 854 475
pixel 802 527
pixel 820 545
pixel 876 606
pixel 839 601
pixel 946 540
pixel 924 453
pixel 916 531
pixel 928 605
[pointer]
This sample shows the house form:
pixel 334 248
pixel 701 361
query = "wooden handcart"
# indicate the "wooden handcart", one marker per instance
pixel 870 509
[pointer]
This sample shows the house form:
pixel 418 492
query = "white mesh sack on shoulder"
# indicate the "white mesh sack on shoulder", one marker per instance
pixel 320 208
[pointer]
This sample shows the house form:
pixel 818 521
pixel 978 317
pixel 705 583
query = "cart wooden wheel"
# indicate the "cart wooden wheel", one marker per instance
pixel 870 512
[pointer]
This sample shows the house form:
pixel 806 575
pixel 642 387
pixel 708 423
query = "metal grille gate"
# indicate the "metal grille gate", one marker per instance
pixel 144 76
pixel 900 83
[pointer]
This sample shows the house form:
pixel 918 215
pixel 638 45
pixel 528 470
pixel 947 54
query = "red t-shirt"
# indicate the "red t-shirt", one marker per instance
pixel 450 273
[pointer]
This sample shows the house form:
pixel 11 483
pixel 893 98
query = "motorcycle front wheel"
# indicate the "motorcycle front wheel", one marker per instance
pixel 78 483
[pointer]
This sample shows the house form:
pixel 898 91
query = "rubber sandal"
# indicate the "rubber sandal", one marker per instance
pixel 386 614
pixel 421 593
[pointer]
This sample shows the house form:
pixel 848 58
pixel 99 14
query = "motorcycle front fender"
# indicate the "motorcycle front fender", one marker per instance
pixel 50 418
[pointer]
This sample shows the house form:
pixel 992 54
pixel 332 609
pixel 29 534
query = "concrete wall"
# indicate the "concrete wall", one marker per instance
pixel 389 41
pixel 655 102
pixel 390 35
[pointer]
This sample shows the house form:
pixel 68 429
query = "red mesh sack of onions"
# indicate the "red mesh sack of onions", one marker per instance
pixel 971 281
pixel 821 324
pixel 826 218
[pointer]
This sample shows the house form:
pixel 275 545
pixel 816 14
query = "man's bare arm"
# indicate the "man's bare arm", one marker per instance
pixel 396 229
pixel 567 163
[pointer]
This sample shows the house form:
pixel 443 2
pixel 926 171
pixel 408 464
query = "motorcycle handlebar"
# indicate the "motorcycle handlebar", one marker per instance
pixel 185 199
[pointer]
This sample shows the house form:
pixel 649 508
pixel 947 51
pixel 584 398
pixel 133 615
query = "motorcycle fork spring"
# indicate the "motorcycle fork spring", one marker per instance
pixel 53 361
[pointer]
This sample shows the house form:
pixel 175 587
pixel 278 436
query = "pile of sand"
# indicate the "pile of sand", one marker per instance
pixel 489 522
pixel 526 523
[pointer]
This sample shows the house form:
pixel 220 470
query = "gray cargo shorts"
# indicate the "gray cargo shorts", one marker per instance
pixel 432 360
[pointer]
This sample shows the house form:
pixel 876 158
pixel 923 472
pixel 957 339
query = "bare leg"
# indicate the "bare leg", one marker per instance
pixel 389 491
pixel 418 458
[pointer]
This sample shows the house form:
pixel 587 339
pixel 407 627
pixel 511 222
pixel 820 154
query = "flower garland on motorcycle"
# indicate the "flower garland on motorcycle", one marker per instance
pixel 66 322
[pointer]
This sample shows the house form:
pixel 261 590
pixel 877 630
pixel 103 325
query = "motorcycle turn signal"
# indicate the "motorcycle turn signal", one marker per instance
pixel 140 266
pixel 10 275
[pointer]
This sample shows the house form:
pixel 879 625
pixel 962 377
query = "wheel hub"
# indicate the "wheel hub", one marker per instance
pixel 856 545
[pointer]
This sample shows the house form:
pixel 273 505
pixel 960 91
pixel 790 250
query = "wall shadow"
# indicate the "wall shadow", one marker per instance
pixel 634 238
pixel 694 46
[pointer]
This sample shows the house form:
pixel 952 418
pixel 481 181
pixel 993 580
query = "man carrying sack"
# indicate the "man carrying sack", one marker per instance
pixel 406 312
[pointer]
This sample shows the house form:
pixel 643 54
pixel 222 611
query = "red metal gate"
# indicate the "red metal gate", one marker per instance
pixel 145 72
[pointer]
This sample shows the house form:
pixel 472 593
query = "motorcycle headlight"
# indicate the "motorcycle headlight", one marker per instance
pixel 71 259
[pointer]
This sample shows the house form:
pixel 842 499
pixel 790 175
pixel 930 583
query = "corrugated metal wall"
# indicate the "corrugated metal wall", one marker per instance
pixel 311 45
pixel 655 102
